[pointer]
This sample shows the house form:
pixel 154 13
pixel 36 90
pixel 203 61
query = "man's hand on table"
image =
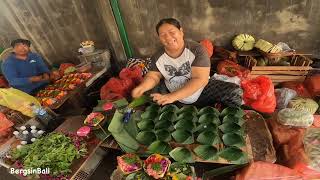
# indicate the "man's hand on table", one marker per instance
pixel 42 77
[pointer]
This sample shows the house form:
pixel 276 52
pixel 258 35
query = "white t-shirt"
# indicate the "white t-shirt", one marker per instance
pixel 177 71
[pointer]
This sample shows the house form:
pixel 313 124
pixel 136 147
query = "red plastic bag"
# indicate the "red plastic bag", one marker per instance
pixel 263 170
pixel 116 88
pixel 298 87
pixel 232 69
pixel 208 46
pixel 259 94
pixel 134 73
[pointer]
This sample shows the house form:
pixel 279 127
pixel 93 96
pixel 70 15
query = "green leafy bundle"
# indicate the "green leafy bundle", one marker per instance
pixel 55 151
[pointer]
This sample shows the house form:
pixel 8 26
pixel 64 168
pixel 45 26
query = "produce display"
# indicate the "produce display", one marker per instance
pixel 293 117
pixel 188 134
pixel 155 166
pixel 59 89
pixel 129 163
pixel 55 151
pixel 304 104
pixel 243 42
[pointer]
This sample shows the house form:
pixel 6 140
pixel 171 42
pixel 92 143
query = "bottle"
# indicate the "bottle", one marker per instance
pixel 41 113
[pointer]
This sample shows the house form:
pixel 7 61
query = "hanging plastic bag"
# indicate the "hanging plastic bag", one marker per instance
pixel 18 100
pixel 236 80
pixel 259 94
pixel 284 95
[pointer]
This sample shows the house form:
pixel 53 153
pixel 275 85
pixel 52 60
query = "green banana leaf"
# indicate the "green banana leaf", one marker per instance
pixel 164 125
pixel 233 119
pixel 183 137
pixel 187 115
pixel 209 118
pixel 163 135
pixel 145 125
pixel 234 155
pixel 191 109
pixel 206 152
pixel 208 138
pixel 124 133
pixel 139 101
pixel 159 147
pixel 203 127
pixel 169 107
pixel 168 116
pixel 181 154
pixel 185 124
pixel 231 127
pixel 233 111
pixel 233 139
pixel 153 107
pixel 208 110
pixel 149 115
pixel 146 137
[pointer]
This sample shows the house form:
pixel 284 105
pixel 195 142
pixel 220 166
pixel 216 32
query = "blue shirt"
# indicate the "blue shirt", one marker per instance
pixel 18 72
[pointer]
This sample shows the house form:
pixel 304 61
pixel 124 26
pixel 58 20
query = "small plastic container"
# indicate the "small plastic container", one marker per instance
pixel 33 127
pixel 25 135
pixel 33 139
pixel 19 146
pixel 22 128
pixel 23 142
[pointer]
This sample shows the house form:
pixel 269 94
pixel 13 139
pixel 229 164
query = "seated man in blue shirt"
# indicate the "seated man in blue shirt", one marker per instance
pixel 25 70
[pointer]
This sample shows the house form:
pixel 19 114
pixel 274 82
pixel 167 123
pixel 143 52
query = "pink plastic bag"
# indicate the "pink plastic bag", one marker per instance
pixel 259 94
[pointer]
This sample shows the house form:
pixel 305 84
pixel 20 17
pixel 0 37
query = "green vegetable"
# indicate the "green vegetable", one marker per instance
pixel 209 118
pixel 139 101
pixel 206 152
pixel 184 124
pixel 153 107
pixel 170 107
pixel 167 116
pixel 208 110
pixel 186 115
pixel 232 111
pixel 233 119
pixel 159 147
pixel 55 151
pixel 203 127
pixel 146 137
pixel 191 109
pixel 145 125
pixel 163 124
pixel 183 137
pixel 230 127
pixel 234 155
pixel 149 115
pixel 163 135
pixel 181 154
pixel 233 139
pixel 208 138
pixel 156 167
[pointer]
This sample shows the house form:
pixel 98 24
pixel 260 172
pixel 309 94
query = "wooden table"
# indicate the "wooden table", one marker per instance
pixel 259 141
pixel 72 124
pixel 79 90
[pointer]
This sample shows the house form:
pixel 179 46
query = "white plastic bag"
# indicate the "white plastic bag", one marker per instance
pixel 284 95
pixel 235 80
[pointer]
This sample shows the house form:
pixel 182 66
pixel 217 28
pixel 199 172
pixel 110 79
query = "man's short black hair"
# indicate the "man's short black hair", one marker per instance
pixel 23 41
pixel 171 21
